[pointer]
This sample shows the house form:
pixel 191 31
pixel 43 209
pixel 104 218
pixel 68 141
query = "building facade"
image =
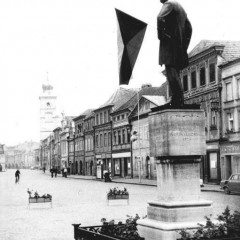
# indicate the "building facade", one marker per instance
pixel 230 144
pixel 79 161
pixel 56 155
pixel 121 144
pixel 90 163
pixel 202 85
pixel 144 165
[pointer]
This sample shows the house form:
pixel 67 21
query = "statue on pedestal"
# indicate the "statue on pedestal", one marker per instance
pixel 174 33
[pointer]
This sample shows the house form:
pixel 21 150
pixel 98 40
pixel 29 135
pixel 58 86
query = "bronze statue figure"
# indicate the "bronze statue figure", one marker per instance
pixel 174 33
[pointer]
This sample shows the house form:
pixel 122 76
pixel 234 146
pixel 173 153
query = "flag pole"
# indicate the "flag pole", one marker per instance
pixel 139 150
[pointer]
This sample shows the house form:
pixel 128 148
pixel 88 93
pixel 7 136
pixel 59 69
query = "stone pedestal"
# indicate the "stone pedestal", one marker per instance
pixel 177 141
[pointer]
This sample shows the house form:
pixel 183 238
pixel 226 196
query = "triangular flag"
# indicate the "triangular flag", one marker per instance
pixel 131 32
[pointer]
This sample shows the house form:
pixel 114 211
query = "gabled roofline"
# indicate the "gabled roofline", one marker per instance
pixel 226 64
pixel 78 117
pixel 101 108
pixel 218 49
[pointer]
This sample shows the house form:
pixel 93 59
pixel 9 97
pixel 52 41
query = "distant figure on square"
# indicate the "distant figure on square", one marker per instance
pixel 65 172
pixel 174 33
pixel 55 172
pixel 17 176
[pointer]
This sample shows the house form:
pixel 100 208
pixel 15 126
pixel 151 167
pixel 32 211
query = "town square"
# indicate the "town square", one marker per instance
pixel 120 120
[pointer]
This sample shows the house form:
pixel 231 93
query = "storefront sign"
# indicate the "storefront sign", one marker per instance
pixel 121 155
pixel 232 148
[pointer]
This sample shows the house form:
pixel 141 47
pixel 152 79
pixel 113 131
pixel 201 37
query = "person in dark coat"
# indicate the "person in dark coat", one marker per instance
pixel 17 176
pixel 52 171
pixel 174 33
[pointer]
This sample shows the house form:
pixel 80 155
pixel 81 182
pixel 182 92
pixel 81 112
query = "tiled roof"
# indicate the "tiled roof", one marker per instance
pixel 157 100
pixel 83 114
pixel 90 114
pixel 150 91
pixel 231 49
pixel 119 98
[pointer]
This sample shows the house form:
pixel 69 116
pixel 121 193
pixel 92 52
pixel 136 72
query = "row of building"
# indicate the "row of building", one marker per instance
pixel 100 139
pixel 23 155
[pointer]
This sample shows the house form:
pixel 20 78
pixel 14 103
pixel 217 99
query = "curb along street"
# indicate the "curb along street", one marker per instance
pixel 135 181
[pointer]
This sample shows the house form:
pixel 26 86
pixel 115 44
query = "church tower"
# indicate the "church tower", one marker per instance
pixel 49 119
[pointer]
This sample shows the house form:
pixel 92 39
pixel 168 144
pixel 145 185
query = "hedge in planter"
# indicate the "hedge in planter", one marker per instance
pixel 128 230
pixel 228 227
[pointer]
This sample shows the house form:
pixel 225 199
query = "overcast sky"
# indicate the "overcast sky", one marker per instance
pixel 75 41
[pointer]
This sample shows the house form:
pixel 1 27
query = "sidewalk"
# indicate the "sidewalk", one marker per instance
pixel 137 181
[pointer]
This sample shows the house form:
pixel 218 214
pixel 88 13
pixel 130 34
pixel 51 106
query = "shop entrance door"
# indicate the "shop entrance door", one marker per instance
pixel 213 165
pixel 228 166
pixel 125 167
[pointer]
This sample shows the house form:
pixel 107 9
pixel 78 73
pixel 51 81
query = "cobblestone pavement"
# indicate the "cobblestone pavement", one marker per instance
pixel 74 201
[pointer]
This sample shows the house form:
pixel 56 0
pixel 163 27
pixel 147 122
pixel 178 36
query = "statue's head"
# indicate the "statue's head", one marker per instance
pixel 163 1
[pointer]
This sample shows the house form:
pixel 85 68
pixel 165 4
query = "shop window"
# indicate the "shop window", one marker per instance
pixel 185 83
pixel 202 76
pixel 212 74
pixel 193 79
pixel 229 94
pixel 117 166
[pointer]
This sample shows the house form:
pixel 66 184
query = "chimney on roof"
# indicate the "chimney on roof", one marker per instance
pixel 146 85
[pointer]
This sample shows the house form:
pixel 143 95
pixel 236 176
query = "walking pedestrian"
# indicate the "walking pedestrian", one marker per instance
pixel 65 172
pixel 55 171
pixel 17 176
pixel 51 171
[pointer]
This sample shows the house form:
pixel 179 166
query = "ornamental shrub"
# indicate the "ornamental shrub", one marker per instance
pixel 228 226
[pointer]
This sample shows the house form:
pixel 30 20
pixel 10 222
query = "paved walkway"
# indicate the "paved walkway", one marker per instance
pixel 148 182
